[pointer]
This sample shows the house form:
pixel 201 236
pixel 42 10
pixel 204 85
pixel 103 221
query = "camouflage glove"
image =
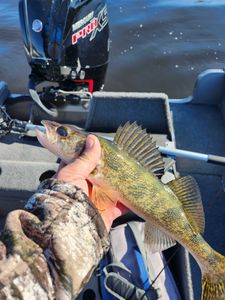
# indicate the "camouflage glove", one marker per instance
pixel 51 251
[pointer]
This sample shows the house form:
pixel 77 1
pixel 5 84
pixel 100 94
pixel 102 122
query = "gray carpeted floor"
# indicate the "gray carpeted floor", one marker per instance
pixel 22 163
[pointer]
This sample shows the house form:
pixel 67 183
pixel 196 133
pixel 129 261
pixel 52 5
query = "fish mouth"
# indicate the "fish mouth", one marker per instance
pixel 49 125
pixel 46 135
pixel 50 139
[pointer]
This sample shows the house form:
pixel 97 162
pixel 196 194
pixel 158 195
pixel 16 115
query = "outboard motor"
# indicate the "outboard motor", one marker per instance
pixel 67 46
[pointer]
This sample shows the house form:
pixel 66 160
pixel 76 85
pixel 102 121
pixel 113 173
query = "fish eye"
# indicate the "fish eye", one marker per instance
pixel 62 131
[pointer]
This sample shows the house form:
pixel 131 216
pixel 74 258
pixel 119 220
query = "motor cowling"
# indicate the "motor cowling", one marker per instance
pixel 66 41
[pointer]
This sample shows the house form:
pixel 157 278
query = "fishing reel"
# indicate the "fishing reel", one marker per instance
pixel 9 125
pixel 6 123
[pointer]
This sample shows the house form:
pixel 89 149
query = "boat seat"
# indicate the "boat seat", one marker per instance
pixel 108 110
pixel 209 87
pixel 199 124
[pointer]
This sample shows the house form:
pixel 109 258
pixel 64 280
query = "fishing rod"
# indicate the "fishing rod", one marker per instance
pixel 7 125
pixel 210 158
pixel 173 153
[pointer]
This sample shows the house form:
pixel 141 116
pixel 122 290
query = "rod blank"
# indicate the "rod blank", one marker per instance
pixel 193 155
pixel 167 151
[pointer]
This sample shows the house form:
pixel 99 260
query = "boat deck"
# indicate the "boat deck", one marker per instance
pixel 197 125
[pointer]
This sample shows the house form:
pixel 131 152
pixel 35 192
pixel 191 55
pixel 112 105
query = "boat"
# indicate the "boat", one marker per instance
pixel 188 131
pixel 194 124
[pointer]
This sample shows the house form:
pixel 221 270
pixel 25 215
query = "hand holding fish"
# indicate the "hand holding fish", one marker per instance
pixel 59 220
pixel 78 171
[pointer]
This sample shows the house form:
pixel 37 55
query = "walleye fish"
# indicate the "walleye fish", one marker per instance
pixel 128 172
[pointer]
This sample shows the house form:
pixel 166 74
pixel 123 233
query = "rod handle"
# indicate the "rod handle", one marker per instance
pixel 220 160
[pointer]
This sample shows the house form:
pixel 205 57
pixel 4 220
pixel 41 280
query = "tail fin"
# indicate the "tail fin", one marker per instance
pixel 213 282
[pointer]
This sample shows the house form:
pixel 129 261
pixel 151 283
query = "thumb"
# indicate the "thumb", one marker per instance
pixel 85 164
pixel 90 157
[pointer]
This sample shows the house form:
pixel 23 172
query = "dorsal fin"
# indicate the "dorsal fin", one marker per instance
pixel 187 191
pixel 140 145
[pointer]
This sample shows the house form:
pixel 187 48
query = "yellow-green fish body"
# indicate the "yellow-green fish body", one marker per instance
pixel 146 195
pixel 126 173
pixel 140 190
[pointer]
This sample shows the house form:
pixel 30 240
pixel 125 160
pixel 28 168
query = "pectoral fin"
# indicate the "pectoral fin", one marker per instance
pixel 187 191
pixel 156 240
pixel 101 199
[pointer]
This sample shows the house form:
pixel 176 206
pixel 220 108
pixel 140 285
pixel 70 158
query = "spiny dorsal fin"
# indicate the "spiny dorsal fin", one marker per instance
pixel 140 145
pixel 156 240
pixel 187 191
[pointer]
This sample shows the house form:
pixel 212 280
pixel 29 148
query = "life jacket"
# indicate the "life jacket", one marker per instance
pixel 127 272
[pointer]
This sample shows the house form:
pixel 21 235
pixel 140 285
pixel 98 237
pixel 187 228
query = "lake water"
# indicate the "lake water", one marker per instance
pixel 157 45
